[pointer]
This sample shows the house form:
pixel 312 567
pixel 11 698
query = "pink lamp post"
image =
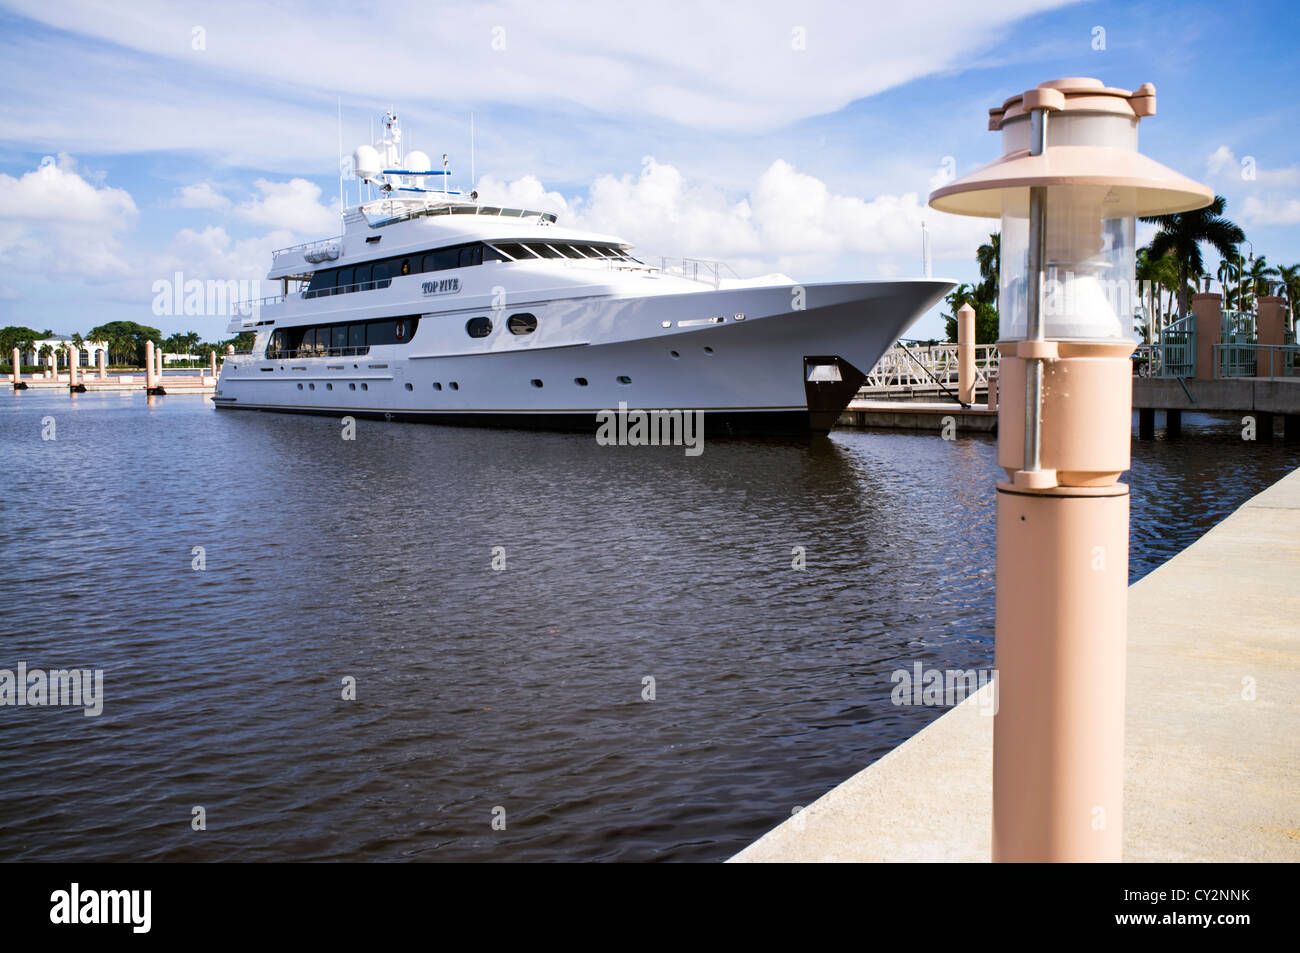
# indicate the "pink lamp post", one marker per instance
pixel 1068 196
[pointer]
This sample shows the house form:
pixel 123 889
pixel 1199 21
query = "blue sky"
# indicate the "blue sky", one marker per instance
pixel 802 139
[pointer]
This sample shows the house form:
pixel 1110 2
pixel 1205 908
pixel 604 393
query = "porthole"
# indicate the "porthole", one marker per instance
pixel 708 350
pixel 521 324
pixel 624 379
pixel 478 327
pixel 409 386
pixel 300 387
pixel 536 382
pixel 311 386
pixel 455 386
pixel 580 381
pixel 352 387
pixel 437 385
pixel 365 387
pixel 329 386
pixel 674 354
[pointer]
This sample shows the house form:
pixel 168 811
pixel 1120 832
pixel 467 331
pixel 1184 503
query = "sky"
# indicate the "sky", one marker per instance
pixel 141 139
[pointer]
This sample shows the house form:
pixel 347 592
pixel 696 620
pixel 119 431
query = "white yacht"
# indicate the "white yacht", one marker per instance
pixel 448 309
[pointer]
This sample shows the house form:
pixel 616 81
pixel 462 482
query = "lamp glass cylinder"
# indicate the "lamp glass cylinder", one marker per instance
pixel 1088 269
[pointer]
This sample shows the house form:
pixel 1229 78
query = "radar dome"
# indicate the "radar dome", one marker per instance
pixel 416 162
pixel 365 162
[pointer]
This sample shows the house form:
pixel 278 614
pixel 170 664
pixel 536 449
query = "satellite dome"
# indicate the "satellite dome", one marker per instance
pixel 416 162
pixel 365 162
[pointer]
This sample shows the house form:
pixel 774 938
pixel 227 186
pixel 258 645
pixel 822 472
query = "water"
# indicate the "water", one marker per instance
pixel 479 689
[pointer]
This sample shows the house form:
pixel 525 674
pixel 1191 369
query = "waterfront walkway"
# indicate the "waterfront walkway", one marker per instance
pixel 1213 708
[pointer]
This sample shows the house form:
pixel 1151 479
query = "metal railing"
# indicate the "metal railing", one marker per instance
pixel 1237 327
pixel 926 368
pixel 1256 360
pixel 1175 355
pixel 347 289
pixel 245 314
pixel 252 305
pixel 692 268
pixel 287 354
pixel 1234 360
pixel 399 212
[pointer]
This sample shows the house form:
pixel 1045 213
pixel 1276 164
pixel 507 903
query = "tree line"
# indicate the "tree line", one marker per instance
pixel 125 339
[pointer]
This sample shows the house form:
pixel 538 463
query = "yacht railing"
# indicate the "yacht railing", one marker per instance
pixel 406 214
pixel 286 354
pixel 346 289
pixel 252 305
pixel 696 269
pixel 245 314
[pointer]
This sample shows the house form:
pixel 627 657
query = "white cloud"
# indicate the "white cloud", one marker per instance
pixel 293 205
pixel 201 196
pixel 524 192
pixel 54 224
pixel 1223 164
pixel 788 221
pixel 758 66
pixel 212 254
pixel 1277 211
pixel 1220 160
pixel 1269 199
pixel 54 220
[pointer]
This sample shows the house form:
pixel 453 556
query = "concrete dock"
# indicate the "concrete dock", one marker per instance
pixel 91 384
pixel 1212 709
pixel 918 415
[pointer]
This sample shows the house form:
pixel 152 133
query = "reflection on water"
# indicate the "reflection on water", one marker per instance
pixel 476 689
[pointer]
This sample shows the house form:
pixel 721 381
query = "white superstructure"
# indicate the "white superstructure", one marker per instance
pixel 435 307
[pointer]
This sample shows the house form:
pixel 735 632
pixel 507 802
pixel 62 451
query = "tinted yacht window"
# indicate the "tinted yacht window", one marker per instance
pixel 521 324
pixel 516 251
pixel 442 259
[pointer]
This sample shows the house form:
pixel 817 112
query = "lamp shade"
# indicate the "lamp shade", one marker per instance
pixel 1095 184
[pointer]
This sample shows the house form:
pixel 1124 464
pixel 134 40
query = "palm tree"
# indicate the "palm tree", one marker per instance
pixel 1290 277
pixel 1157 274
pixel 1260 276
pixel 960 295
pixel 1181 235
pixel 1229 274
pixel 989 256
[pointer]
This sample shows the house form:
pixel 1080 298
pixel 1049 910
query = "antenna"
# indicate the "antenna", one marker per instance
pixel 342 205
pixel 925 249
pixel 473 182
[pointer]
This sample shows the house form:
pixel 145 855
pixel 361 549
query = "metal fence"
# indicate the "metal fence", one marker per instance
pixel 1175 355
pixel 921 369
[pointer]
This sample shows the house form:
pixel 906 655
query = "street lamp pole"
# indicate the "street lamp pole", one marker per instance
pixel 1069 203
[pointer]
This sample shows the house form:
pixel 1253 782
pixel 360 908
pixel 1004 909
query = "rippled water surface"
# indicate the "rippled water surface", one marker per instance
pixel 480 689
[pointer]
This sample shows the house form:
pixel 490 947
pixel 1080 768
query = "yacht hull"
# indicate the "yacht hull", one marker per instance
pixel 743 356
